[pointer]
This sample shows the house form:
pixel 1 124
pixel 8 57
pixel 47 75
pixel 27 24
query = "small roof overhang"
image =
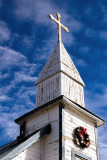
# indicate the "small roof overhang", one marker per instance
pixel 14 148
pixel 99 121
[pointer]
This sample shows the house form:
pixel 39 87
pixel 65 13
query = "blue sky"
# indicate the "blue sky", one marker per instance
pixel 28 37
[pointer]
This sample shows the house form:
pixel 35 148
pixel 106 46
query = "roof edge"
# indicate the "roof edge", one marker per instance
pixel 38 109
pixel 23 144
pixel 60 71
pixel 86 111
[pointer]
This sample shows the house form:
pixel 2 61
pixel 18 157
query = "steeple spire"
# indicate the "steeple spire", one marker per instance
pixel 59 75
pixel 58 21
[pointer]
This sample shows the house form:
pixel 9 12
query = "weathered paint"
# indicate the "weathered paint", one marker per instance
pixel 31 153
pixel 48 90
pixel 59 77
pixel 60 143
pixel 72 90
pixel 25 143
pixel 73 119
pixel 50 144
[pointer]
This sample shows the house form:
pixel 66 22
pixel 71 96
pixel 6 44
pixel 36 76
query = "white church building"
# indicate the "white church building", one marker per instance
pixel 60 127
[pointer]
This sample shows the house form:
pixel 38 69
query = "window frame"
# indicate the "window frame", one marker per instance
pixel 74 153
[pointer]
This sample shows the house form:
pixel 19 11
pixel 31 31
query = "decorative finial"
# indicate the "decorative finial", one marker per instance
pixel 59 25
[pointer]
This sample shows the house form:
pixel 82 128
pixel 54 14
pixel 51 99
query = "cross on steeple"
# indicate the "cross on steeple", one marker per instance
pixel 59 25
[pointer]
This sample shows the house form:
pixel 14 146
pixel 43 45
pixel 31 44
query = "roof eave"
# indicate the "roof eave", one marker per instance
pixel 99 121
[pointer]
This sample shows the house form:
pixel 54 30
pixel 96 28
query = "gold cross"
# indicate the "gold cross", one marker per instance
pixel 59 25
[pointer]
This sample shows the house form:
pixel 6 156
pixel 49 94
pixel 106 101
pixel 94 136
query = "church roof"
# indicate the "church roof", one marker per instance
pixel 60 61
pixel 17 146
pixel 99 121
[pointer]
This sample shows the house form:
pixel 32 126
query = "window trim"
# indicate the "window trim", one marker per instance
pixel 74 153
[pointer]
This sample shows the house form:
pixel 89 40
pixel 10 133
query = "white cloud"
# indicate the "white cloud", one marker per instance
pixel 4 32
pixel 21 76
pixel 7 123
pixel 24 72
pixel 103 35
pixel 102 141
pixel 84 49
pixel 4 98
pixel 81 62
pixel 75 25
pixel 4 108
pixel 7 115
pixel 91 33
pixel 3 76
pixel 28 41
pixel 9 58
pixel 95 100
pixel 35 10
pixel 25 93
pixel 104 14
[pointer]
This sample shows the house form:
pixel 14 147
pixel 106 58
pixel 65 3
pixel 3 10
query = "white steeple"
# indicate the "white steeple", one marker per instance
pixel 59 77
pixel 60 61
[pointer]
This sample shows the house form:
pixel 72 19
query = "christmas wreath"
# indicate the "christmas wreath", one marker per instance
pixel 82 137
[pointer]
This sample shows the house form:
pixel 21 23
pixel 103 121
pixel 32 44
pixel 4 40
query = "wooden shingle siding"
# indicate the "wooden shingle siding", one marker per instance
pixel 32 153
pixel 48 90
pixel 72 90
pixel 50 144
pixel 48 147
pixel 74 119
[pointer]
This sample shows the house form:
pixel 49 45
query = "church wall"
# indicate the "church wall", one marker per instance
pixel 72 90
pixel 72 120
pixel 48 90
pixel 50 144
pixel 31 153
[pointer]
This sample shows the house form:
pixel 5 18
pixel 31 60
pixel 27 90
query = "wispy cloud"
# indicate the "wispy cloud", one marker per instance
pixel 97 103
pixel 7 123
pixel 95 100
pixel 25 96
pixel 104 14
pixel 23 72
pixel 3 76
pixel 91 33
pixel 21 76
pixel 4 32
pixel 34 10
pixel 102 142
pixel 103 35
pixel 10 58
pixel 27 29
pixel 81 62
pixel 84 50
pixel 4 98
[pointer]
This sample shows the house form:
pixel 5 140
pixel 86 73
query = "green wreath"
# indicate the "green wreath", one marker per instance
pixel 82 137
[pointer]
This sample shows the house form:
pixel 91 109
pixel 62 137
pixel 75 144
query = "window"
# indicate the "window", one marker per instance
pixel 79 156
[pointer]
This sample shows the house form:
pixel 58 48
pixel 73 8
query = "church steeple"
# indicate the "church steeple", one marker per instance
pixel 60 129
pixel 59 77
